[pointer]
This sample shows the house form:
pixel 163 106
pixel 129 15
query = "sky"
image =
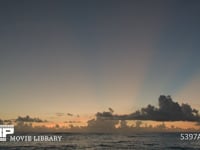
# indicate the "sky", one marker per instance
pixel 82 57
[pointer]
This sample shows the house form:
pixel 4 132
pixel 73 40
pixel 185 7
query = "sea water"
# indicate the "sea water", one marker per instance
pixel 91 141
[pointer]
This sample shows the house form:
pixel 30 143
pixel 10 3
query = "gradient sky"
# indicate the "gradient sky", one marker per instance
pixel 81 57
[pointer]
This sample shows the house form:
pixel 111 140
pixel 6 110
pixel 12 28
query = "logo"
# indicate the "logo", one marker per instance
pixel 5 130
pixel 9 129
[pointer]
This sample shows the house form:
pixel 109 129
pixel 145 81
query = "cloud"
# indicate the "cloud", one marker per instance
pixel 1 121
pixel 197 123
pixel 168 110
pixel 69 114
pixel 111 110
pixel 101 125
pixel 8 121
pixel 104 115
pixel 72 121
pixel 29 119
pixel 60 114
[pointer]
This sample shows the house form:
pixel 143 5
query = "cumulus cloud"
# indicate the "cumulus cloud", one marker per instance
pixel 168 110
pixel 101 125
pixel 29 119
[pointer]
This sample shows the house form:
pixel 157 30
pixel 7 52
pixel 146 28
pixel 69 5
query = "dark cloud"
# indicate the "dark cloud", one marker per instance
pixel 69 114
pixel 9 121
pixel 29 119
pixel 111 110
pixel 105 114
pixel 1 121
pixel 168 110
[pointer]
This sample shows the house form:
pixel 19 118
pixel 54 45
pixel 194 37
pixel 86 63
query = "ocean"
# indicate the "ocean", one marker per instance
pixel 91 141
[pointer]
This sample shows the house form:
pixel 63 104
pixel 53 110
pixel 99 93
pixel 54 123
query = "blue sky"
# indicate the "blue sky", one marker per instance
pixel 83 57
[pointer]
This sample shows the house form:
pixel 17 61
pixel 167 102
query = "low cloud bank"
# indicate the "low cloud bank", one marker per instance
pixel 167 110
pixel 29 119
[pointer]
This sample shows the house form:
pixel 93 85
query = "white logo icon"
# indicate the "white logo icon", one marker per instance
pixel 5 130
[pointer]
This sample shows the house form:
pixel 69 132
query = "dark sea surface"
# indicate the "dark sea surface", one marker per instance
pixel 84 141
